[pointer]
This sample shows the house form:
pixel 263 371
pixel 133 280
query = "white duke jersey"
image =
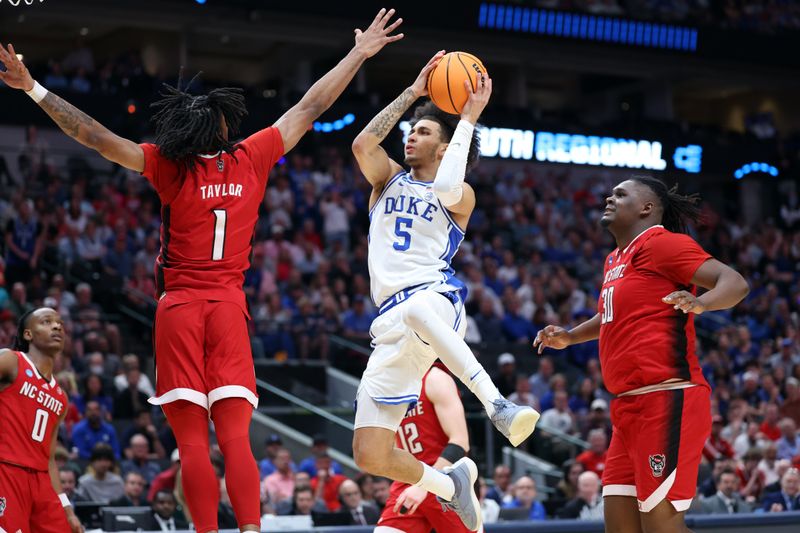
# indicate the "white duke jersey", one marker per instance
pixel 412 239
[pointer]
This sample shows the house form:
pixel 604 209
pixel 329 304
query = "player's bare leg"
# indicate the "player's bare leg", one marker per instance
pixel 621 514
pixel 663 518
pixel 374 452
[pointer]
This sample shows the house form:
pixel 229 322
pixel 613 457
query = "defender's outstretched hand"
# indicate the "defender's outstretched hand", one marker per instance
pixel 551 337
pixel 371 40
pixel 16 75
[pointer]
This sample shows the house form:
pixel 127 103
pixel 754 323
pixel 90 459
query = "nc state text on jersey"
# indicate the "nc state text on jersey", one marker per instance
pixel 615 273
pixel 31 391
pixel 410 205
pixel 220 189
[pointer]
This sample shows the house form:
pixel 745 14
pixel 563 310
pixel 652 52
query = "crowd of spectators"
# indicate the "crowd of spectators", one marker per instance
pixel 78 72
pixel 533 256
pixel 83 242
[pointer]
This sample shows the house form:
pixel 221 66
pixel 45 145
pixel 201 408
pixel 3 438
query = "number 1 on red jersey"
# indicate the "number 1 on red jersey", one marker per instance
pixel 221 221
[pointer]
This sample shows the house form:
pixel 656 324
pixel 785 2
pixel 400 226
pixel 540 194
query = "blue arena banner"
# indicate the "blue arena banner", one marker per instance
pixel 587 27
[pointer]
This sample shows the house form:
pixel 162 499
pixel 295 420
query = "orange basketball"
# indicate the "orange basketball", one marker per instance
pixel 446 81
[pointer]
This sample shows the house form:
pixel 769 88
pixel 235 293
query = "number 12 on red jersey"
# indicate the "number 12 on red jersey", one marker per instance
pixel 409 434
pixel 608 305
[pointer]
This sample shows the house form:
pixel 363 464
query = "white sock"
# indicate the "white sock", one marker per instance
pixel 436 482
pixel 484 388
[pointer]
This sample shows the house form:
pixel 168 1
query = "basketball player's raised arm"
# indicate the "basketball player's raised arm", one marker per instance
pixel 375 163
pixel 559 338
pixel 71 120
pixel 295 122
pixel 55 480
pixel 449 186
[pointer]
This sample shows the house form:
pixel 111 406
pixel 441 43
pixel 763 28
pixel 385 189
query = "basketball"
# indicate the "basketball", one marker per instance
pixel 446 81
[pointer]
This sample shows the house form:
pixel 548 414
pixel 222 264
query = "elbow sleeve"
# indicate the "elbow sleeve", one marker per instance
pixel 449 181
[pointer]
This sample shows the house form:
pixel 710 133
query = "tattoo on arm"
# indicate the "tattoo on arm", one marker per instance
pixel 70 119
pixel 382 124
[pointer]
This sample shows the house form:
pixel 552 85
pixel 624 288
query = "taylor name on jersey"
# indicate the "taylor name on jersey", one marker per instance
pixel 219 190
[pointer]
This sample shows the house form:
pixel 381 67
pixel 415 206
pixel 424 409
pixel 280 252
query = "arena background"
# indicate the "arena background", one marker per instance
pixel 701 93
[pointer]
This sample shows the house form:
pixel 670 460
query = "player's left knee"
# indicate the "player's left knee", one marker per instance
pixel 369 456
pixel 231 417
pixel 663 518
pixel 420 310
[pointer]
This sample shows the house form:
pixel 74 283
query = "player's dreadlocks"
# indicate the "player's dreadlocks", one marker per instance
pixel 679 209
pixel 448 124
pixel 189 125
pixel 20 344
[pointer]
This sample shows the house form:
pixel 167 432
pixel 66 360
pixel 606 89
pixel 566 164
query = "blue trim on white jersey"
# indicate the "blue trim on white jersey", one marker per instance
pixel 459 314
pixel 461 288
pixel 399 297
pixel 385 188
pixel 449 243
pixel 449 216
pixel 417 182
pixel 394 400
pixel 453 242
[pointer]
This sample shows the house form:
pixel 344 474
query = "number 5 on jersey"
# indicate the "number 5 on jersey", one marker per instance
pixel 608 305
pixel 399 224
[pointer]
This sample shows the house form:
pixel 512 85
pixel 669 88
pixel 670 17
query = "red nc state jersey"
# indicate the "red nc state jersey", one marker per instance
pixel 208 217
pixel 644 341
pixel 30 409
pixel 420 432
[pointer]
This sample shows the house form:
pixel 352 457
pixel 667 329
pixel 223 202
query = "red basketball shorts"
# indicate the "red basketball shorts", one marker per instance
pixel 202 352
pixel 656 447
pixel 28 502
pixel 429 515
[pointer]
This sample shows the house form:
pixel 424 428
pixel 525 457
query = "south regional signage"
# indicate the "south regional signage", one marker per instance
pixel 575 149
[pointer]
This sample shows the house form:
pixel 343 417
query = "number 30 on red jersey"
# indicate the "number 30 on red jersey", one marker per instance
pixel 608 305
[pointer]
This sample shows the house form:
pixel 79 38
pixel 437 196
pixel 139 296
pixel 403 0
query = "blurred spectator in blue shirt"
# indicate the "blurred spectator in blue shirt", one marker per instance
pixel 319 447
pixel 357 320
pixel 92 430
pixel 515 326
pixel 525 497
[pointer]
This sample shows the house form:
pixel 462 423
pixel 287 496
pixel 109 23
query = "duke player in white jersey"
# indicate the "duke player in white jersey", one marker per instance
pixel 417 221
